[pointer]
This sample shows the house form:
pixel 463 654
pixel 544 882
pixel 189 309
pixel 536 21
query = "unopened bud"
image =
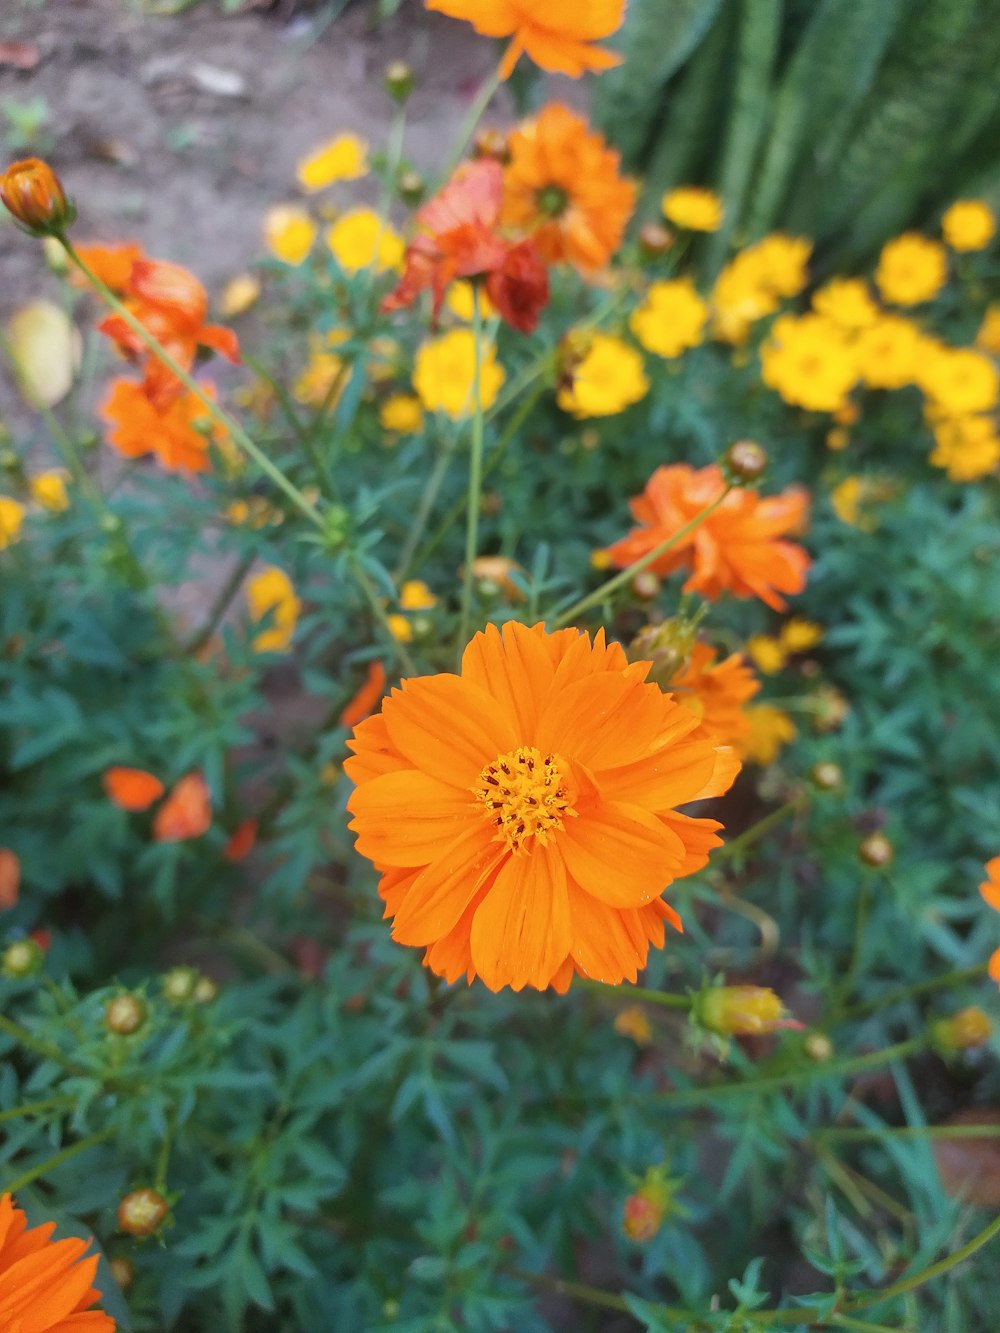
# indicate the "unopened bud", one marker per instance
pixel 667 645
pixel 33 195
pixel 122 1271
pixel 399 80
pixel 655 240
pixel 818 1047
pixel 178 984
pixel 745 461
pixel 124 1014
pixel 876 850
pixel 641 1218
pixel 412 187
pixel 492 143
pixel 831 709
pixel 963 1031
pixel 741 1011
pixel 141 1212
pixel 206 991
pixel 23 958
pixel 826 776
pixel 646 585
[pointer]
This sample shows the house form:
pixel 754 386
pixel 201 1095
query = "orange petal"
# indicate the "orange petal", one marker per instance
pixel 620 854
pixel 404 818
pixel 187 811
pixel 522 930
pixel 448 728
pixel 441 892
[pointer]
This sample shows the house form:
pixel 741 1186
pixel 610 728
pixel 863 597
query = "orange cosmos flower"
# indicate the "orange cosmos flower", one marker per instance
pixel 45 1284
pixel 10 878
pixel 172 305
pixel 556 35
pixel 187 811
pixel 736 549
pixel 366 698
pixel 112 264
pixel 715 692
pixel 131 788
pixel 522 814
pixel 990 887
pixel 178 433
pixel 562 185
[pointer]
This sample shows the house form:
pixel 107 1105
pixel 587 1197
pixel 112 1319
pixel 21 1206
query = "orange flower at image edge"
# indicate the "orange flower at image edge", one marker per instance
pixel 556 35
pixel 990 890
pixel 522 814
pixel 738 548
pixel 45 1284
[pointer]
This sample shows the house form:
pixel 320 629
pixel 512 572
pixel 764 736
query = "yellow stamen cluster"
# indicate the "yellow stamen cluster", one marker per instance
pixel 524 794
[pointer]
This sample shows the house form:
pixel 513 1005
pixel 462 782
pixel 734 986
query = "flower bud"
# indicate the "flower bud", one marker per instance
pixel 963 1031
pixel 22 959
pixel 179 984
pixel 125 1014
pixel 655 240
pixel 492 143
pixel 206 991
pixel 141 1212
pixel 412 187
pixel 876 850
pixel 646 585
pixel 831 708
pixel 399 80
pixel 826 776
pixel 641 1218
pixel 818 1047
pixel 745 461
pixel 122 1271
pixel 667 645
pixel 33 195
pixel 741 1011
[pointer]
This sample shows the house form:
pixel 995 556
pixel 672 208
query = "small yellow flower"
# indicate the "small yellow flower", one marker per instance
pixel 770 730
pixel 847 302
pixel 968 447
pixel 798 636
pixel 693 208
pixel 459 302
pixel 401 413
pixel 988 337
pixel 239 294
pixel 49 490
pixel 768 654
pixel 853 497
pixel 270 593
pixel 632 1022
pixel 289 233
pixel 968 225
pixel 782 262
pixel 888 352
pixel 600 560
pixel 444 373
pixel 959 381
pixel 416 596
pixel 964 1031
pixel 400 628
pixel 911 269
pixel 344 158
pixel 253 513
pixel 809 361
pixel 323 370
pixel 671 319
pixel 11 518
pixel 608 378
pixel 361 238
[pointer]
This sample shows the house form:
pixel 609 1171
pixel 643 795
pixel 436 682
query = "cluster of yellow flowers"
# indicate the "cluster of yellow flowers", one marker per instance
pixel 47 489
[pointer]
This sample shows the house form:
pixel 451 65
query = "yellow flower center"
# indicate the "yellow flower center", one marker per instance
pixel 524 793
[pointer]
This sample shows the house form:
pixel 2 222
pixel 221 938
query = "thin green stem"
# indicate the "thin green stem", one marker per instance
pixel 324 477
pixel 220 606
pixel 577 1291
pixel 475 477
pixel 928 1274
pixel 32 1043
pixel 624 576
pixel 852 1133
pixel 378 611
pixel 423 510
pixel 37 1108
pixel 958 977
pixel 473 116
pixel 50 1164
pixel 846 986
pixel 628 994
pixel 756 831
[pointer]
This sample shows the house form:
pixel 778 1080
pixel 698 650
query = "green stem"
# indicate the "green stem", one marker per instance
pixel 423 511
pixel 756 831
pixel 304 436
pixel 230 424
pixel 50 1164
pixel 220 606
pixel 624 576
pixel 958 977
pixel 627 994
pixel 378 611
pixel 928 1274
pixel 37 1108
pixel 475 477
pixel 851 1133
pixel 472 118
pixel 32 1043
pixel 578 1291
pixel 846 986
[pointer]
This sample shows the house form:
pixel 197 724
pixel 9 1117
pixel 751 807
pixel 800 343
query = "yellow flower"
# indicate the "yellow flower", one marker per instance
pixel 253 513
pixel 459 302
pixel 632 1022
pixel 770 730
pixel 888 352
pixel 344 158
pixel 769 654
pixel 11 518
pixel 322 372
pixel 289 232
pixel 671 318
pixel 693 208
pixel 416 596
pixel 600 560
pixel 782 262
pixel 968 447
pixel 751 285
pixel 911 269
pixel 445 369
pixel 809 361
pixel 852 497
pixel 798 636
pixel 401 413
pixel 847 302
pixel 838 438
pixel 969 225
pixel 361 238
pixel 988 337
pixel 958 380
pixel 239 295
pixel 608 378
pixel 49 490
pixel 270 593
pixel 400 628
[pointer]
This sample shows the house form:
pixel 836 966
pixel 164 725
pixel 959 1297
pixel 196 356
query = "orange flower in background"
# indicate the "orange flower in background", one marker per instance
pixel 172 305
pixel 562 186
pixel 459 238
pixel 715 692
pixel 363 703
pixel 10 879
pixel 990 887
pixel 45 1284
pixel 738 548
pixel 131 788
pixel 241 841
pixel 187 811
pixel 178 434
pixel 556 35
pixel 33 194
pixel 523 814
pixel 112 264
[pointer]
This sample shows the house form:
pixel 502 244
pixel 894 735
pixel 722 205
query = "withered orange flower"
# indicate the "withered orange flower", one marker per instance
pixel 459 238
pixel 10 879
pixel 522 814
pixel 111 264
pixel 131 788
pixel 178 434
pixel 563 187
pixel 46 1285
pixel 172 305
pixel 556 35
pixel 737 549
pixel 715 692
pixel 241 841
pixel 33 194
pixel 187 811
pixel 363 703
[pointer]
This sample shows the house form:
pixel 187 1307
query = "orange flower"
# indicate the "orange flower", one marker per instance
pixel 562 185
pixel 459 239
pixel 522 814
pixel 990 887
pixel 131 788
pixel 366 698
pixel 172 305
pixel 736 549
pixel 33 194
pixel 176 433
pixel 241 841
pixel 112 264
pixel 715 692
pixel 45 1284
pixel 10 879
pixel 557 36
pixel 187 811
